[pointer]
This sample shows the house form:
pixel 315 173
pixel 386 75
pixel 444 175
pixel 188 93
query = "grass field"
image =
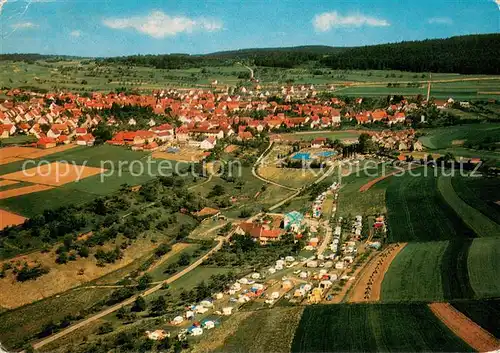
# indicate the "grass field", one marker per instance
pixel 481 194
pixel 415 273
pixel 418 212
pixel 454 270
pixel 485 313
pixel 473 133
pixel 133 170
pixel 484 266
pixel 16 326
pixel 444 270
pixel 333 135
pixel 158 273
pixel 363 328
pixel 353 202
pixel 475 220
pixel 264 331
pixel 86 75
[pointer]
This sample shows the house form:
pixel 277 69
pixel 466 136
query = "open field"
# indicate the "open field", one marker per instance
pixel 122 166
pixel 445 270
pixel 186 154
pixel 269 330
pixel 475 220
pixel 85 75
pixel 481 194
pixel 294 178
pixel 373 201
pixel 158 274
pixel 24 190
pixel 362 328
pixel 4 183
pixel 440 138
pixel 414 274
pixel 62 277
pixel 454 270
pixel 418 212
pixel 485 313
pixel 343 135
pixel 54 174
pixel 16 326
pixel 484 267
pixel 463 327
pixel 10 219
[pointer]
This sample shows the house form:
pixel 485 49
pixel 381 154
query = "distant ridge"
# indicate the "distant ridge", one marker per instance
pixel 470 54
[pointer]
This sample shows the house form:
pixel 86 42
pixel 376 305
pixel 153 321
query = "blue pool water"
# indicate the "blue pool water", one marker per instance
pixel 325 154
pixel 302 155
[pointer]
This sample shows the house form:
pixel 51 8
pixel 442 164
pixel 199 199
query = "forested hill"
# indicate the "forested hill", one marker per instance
pixel 473 54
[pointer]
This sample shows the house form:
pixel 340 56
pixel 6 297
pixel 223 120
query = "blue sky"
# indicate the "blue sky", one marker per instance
pixel 113 27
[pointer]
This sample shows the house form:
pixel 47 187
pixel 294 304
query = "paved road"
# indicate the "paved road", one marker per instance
pixel 132 299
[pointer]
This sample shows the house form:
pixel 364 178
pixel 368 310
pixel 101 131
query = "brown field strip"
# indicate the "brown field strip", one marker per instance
pixel 11 152
pixel 470 332
pixel 10 219
pixel 42 153
pixel 341 295
pixel 369 285
pixel 369 184
pixel 54 174
pixel 8 182
pixel 181 156
pixel 8 160
pixel 15 154
pixel 23 191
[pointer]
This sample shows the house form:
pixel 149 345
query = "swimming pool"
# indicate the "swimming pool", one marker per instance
pixel 302 155
pixel 326 154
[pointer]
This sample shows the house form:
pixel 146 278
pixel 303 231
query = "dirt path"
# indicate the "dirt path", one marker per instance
pixel 209 179
pixel 129 301
pixel 471 333
pixel 343 294
pixel 256 166
pixel 369 184
pixel 369 285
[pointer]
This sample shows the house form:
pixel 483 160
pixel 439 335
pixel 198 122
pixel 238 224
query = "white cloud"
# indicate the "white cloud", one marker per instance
pixel 24 25
pixel 325 21
pixel 160 25
pixel 75 33
pixel 441 20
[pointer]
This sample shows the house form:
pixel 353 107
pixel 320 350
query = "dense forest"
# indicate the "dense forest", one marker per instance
pixel 471 54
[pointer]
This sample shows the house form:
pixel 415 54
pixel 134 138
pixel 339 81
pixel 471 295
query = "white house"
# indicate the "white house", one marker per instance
pixel 209 143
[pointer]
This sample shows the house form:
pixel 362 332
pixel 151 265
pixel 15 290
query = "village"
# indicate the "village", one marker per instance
pixel 187 124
